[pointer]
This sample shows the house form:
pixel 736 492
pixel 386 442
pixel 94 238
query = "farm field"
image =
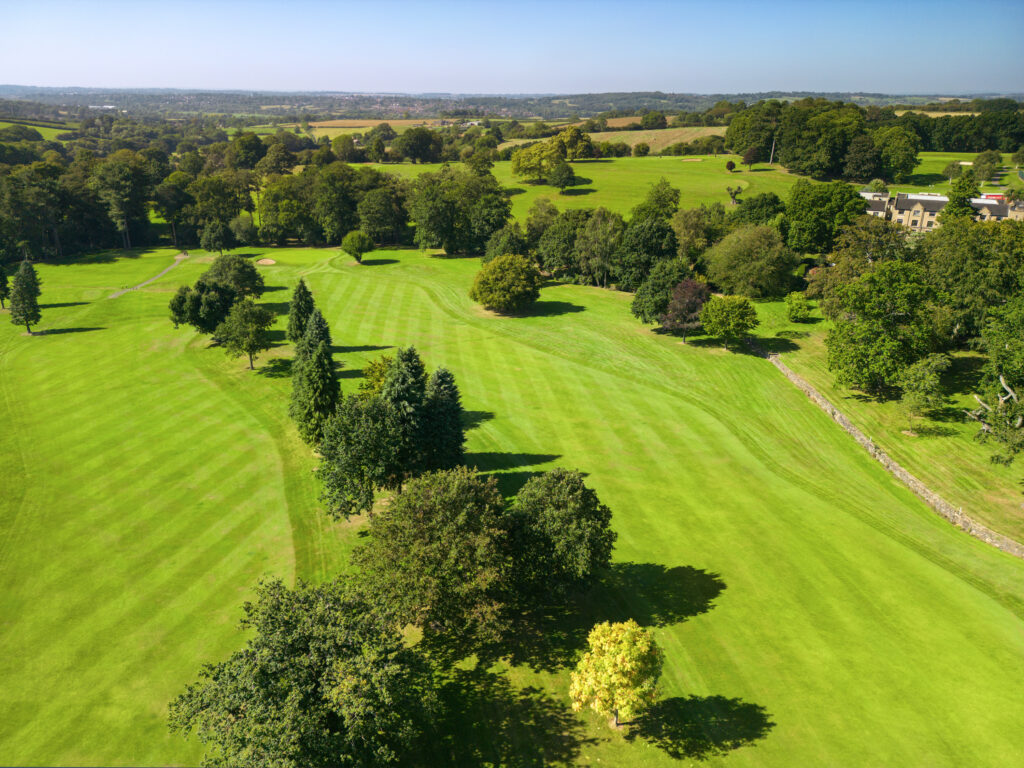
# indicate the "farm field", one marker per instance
pixel 806 602
pixel 661 138
pixel 48 133
pixel 620 183
pixel 942 451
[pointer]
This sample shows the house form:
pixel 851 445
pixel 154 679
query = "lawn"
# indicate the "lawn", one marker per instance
pixel 620 183
pixel 812 611
pixel 927 176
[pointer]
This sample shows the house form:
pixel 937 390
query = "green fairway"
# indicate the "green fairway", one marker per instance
pixel 811 609
pixel 620 183
pixel 928 177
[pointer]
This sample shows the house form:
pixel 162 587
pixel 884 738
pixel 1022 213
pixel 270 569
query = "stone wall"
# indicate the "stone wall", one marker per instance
pixel 955 515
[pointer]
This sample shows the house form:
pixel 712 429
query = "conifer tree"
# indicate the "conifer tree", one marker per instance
pixel 316 331
pixel 25 297
pixel 301 307
pixel 404 393
pixel 314 393
pixel 5 288
pixel 442 437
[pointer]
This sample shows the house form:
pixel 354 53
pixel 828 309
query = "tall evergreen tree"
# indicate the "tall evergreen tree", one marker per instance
pixel 443 437
pixel 314 393
pixel 25 297
pixel 301 307
pixel 316 331
pixel 5 288
pixel 404 393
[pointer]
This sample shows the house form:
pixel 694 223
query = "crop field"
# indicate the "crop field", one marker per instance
pixel 661 138
pixel 940 450
pixel 812 610
pixel 620 183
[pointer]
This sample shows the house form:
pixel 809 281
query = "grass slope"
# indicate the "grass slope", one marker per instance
pixel 620 183
pixel 805 600
pixel 940 450
pixel 48 132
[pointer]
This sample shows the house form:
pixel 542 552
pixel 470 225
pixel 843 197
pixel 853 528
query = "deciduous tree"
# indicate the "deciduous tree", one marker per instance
pixel 510 283
pixel 356 243
pixel 683 312
pixel 728 317
pixel 752 261
pixel 618 675
pixel 237 272
pixel 244 330
pixel 652 298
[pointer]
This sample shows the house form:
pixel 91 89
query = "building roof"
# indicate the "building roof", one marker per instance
pixel 930 203
pixel 877 204
pixel 995 208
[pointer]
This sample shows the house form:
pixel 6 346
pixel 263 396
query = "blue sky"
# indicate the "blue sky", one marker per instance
pixel 518 46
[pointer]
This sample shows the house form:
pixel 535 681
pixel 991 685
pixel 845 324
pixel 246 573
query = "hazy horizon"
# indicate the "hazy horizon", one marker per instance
pixel 460 47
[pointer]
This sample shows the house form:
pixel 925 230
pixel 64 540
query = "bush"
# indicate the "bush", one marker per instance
pixel 641 150
pixel 509 283
pixel 728 317
pixel 798 309
pixel 356 243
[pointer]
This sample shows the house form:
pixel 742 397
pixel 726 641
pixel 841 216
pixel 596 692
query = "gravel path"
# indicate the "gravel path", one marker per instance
pixel 177 260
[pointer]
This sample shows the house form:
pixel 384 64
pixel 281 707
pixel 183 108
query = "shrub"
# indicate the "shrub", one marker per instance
pixel 509 283
pixel 798 309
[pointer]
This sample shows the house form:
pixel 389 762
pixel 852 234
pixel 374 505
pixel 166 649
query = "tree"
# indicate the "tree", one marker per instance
pixel 5 288
pixel 863 160
pixel 443 436
pixel 652 298
pixel 817 213
pixel 987 165
pixel 878 185
pixel 437 556
pixel 563 531
pixel 750 157
pixel 682 314
pixel 508 239
pixel 574 144
pixel 661 202
pixel 237 272
pixel 653 121
pixel 317 331
pixel 382 214
pixel 25 297
pixel 510 283
pixel 963 189
pixel 244 331
pixel 698 228
pixel 762 208
pixel 646 241
pixel 1000 411
pixel 299 310
pixel 618 675
pixel 204 306
pixel 404 392
pixel 356 243
pixel 730 166
pixel 314 393
pixel 359 453
pixel 374 375
pixel 216 236
pixel 325 679
pixel 597 243
pixel 641 149
pixel 457 210
pixel 556 248
pixel 728 317
pixel 922 384
pixel 884 326
pixel 562 176
pixel 420 145
pixel 798 309
pixel 953 170
pixel 898 151
pixel 752 261
pixel 1018 157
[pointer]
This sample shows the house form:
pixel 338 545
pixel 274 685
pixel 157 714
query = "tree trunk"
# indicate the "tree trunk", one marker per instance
pixel 174 235
pixel 251 368
pixel 615 714
pixel 28 328
pixel 56 242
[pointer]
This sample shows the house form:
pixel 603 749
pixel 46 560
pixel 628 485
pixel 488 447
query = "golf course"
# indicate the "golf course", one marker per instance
pixel 812 611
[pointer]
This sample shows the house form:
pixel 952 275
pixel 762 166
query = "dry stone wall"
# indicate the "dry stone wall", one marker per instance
pixel 955 515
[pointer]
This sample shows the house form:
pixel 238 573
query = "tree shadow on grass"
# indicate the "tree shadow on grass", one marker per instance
pixel 488 722
pixel 274 288
pixel 348 373
pixel 700 727
pixel 277 307
pixel 497 465
pixel 552 637
pixel 512 191
pixel 277 338
pixel 377 262
pixel 925 179
pixel 342 350
pixel 574 192
pixel 64 304
pixel 551 309
pixel 59 331
pixel 473 419
pixel 963 375
pixel 278 368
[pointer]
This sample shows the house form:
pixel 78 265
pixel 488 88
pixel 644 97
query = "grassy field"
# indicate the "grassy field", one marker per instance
pixel 927 176
pixel 942 451
pixel 806 602
pixel 658 139
pixel 620 183
pixel 48 133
